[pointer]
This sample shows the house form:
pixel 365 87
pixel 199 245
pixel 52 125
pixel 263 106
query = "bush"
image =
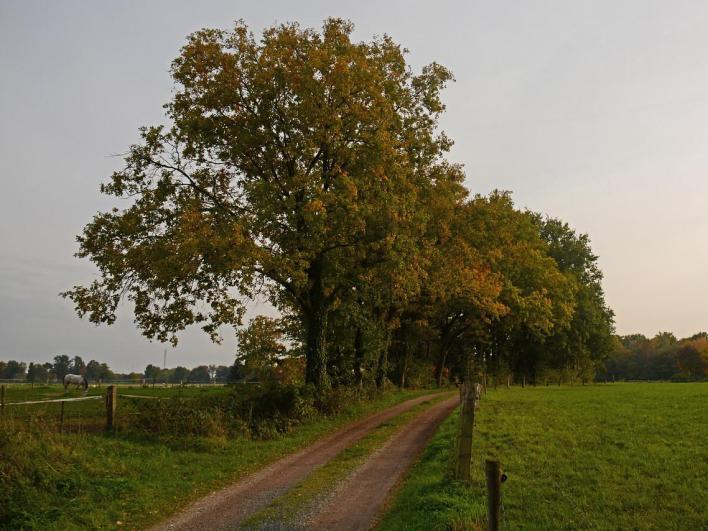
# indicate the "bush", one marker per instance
pixel 179 416
pixel 247 411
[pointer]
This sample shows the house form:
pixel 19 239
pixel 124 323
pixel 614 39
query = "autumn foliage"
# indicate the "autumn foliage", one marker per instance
pixel 308 168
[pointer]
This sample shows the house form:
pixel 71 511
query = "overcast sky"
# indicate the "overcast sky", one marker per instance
pixel 594 112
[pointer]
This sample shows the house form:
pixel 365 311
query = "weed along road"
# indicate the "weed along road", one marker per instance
pixel 359 500
pixel 230 507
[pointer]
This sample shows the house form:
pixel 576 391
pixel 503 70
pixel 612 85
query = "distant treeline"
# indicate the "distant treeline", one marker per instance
pixel 95 371
pixel 663 357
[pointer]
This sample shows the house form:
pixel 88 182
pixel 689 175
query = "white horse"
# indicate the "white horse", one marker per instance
pixel 77 380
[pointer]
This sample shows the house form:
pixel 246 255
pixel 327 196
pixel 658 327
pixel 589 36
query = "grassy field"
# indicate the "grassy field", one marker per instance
pixel 616 456
pixel 25 392
pixel 89 415
pixel 124 480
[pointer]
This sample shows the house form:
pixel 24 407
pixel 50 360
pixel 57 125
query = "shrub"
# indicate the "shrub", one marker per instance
pixel 261 412
pixel 178 416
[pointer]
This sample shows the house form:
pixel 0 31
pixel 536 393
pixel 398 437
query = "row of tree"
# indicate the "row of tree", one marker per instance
pixel 663 357
pixel 95 372
pixel 199 374
pixel 62 365
pixel 309 168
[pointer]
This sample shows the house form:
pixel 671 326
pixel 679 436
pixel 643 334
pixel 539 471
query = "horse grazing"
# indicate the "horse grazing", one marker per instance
pixel 77 380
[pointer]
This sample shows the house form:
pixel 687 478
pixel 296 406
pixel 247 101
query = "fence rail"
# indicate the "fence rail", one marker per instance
pixel 143 396
pixel 56 400
pixel 110 397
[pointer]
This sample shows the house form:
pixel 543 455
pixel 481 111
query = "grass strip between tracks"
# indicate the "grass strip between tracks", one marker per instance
pixel 295 506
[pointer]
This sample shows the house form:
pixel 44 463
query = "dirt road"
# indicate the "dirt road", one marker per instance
pixel 360 499
pixel 227 508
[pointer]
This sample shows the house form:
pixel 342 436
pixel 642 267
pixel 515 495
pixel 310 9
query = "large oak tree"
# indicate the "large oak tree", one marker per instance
pixel 287 161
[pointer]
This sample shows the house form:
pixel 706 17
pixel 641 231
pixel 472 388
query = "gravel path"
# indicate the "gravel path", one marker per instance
pixel 360 499
pixel 227 508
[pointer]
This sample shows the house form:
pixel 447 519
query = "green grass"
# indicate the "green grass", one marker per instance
pixel 89 415
pixel 102 481
pixel 616 456
pixel 23 392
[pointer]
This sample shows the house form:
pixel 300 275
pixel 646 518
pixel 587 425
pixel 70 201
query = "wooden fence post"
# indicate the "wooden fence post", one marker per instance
pixel 493 471
pixel 111 399
pixel 61 419
pixel 464 439
pixel 2 399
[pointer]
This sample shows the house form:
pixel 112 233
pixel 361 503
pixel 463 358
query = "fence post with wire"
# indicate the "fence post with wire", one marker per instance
pixel 469 398
pixel 111 402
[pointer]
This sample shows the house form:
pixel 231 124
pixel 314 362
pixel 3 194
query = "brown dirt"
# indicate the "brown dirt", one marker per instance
pixel 227 508
pixel 360 499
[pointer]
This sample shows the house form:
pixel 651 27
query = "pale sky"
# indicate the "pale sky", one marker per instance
pixel 592 111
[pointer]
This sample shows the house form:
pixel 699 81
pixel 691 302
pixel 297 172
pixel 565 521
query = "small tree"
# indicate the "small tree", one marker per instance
pixel 236 372
pixel 77 366
pixel 180 374
pixel 61 366
pixel 14 370
pixel 222 373
pixel 260 346
pixel 200 374
pixel 152 372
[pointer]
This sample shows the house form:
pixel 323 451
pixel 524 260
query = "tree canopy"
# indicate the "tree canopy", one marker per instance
pixel 310 168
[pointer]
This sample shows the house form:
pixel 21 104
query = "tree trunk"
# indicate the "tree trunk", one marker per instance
pixel 315 353
pixel 358 355
pixel 440 367
pixel 381 367
pixel 316 322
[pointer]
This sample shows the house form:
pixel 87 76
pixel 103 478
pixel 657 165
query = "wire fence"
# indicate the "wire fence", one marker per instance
pixel 43 412
pixel 51 401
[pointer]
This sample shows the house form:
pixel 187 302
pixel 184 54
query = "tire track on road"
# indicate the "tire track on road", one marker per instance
pixel 229 507
pixel 360 499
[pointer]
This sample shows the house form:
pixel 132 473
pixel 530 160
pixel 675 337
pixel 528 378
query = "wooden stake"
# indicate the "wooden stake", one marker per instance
pixel 2 399
pixel 493 471
pixel 464 441
pixel 61 419
pixel 111 401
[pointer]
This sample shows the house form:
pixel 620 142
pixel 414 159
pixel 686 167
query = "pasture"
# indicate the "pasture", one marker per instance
pixel 615 456
pixel 89 415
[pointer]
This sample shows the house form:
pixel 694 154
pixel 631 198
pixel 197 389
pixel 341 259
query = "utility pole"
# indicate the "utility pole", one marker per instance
pixel 164 359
